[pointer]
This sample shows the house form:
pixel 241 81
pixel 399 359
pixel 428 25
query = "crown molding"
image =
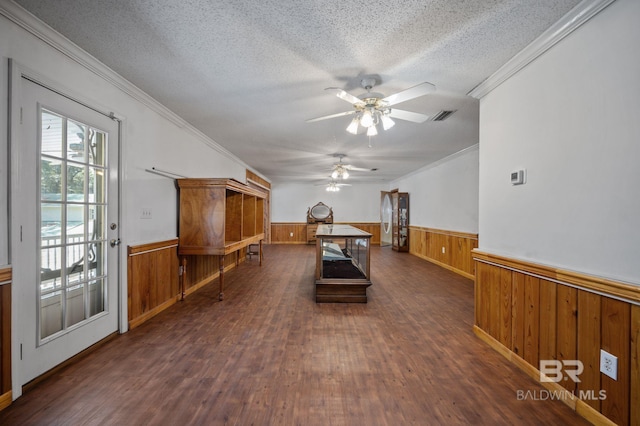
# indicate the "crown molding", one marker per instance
pixel 577 16
pixel 30 23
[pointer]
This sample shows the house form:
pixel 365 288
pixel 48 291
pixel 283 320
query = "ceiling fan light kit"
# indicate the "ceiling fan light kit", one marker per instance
pixel 387 122
pixel 340 173
pixel 353 126
pixel 367 118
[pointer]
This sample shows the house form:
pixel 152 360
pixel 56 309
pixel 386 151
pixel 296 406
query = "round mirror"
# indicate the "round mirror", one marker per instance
pixel 320 211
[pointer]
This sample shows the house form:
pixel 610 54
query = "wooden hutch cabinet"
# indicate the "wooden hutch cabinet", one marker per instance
pixel 400 220
pixel 218 217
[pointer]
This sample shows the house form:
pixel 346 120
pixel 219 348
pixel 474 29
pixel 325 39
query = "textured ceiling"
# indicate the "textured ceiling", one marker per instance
pixel 249 73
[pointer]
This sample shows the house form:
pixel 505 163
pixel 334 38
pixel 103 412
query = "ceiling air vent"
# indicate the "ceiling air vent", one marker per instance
pixel 442 115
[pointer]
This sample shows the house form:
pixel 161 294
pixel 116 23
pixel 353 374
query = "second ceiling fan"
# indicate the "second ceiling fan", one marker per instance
pixel 373 108
pixel 341 170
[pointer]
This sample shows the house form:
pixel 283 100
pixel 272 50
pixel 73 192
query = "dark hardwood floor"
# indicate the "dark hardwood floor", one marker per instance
pixel 269 355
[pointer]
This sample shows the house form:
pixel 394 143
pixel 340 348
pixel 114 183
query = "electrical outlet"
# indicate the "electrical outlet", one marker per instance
pixel 443 251
pixel 608 364
pixel 145 213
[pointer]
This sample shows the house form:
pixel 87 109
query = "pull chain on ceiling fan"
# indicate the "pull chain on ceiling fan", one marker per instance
pixel 372 108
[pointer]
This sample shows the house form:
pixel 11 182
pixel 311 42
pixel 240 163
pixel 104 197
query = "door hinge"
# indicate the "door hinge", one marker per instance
pixel 20 233
pixel 20 115
pixel 20 351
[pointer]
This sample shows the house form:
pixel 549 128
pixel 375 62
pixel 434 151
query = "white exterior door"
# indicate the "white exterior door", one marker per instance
pixel 64 223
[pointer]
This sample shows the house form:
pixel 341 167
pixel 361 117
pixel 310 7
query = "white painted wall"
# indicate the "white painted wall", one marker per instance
pixel 444 195
pixel 357 203
pixel 159 143
pixel 572 119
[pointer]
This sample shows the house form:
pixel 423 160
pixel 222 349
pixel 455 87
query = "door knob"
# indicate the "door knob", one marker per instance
pixel 115 242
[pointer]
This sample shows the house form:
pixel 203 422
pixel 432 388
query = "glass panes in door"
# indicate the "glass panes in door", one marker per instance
pixel 72 240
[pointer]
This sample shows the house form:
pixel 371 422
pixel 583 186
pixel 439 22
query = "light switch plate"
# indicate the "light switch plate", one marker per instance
pixel 518 177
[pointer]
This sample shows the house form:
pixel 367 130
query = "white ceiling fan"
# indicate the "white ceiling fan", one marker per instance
pixel 341 170
pixel 373 108
pixel 333 186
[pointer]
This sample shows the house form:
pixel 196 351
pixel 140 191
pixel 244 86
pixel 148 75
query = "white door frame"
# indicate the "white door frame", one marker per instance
pixel 16 73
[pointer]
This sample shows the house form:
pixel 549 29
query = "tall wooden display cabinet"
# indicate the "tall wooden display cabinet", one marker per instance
pixel 400 220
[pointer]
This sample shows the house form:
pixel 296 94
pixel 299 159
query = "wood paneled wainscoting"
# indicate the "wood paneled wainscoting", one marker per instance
pixel 532 313
pixel 154 276
pixel 288 233
pixel 371 228
pixel 449 249
pixel 5 337
pixel 296 232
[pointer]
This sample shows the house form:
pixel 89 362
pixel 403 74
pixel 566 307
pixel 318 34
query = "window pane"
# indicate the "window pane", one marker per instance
pixel 50 284
pixel 96 185
pixel 75 183
pixel 51 134
pixel 50 223
pixel 75 223
pixel 95 226
pixel 75 141
pixel 75 264
pixel 50 268
pixel 97 147
pixel 50 314
pixel 75 305
pixel 50 179
pixel 95 256
pixel 96 297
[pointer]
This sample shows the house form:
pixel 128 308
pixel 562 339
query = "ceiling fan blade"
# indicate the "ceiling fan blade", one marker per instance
pixel 408 115
pixel 346 96
pixel 358 169
pixel 340 114
pixel 410 93
pixel 332 184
